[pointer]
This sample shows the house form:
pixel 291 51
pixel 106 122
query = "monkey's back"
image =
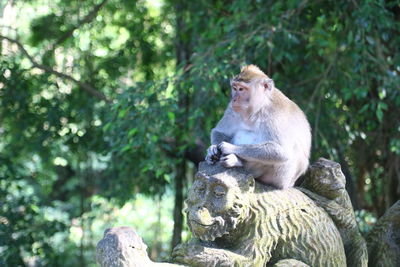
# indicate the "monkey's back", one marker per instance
pixel 286 124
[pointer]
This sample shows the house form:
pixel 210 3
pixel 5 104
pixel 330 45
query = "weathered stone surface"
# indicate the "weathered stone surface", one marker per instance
pixel 384 239
pixel 122 247
pixel 327 182
pixel 240 222
pixel 236 221
pixel 290 263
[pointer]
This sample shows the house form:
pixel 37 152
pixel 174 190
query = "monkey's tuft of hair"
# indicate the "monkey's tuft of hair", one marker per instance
pixel 251 67
pixel 250 72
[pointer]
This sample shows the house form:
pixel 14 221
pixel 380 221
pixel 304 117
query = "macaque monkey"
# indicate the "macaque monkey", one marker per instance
pixel 262 130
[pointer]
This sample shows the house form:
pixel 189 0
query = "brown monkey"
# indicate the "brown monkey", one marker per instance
pixel 262 130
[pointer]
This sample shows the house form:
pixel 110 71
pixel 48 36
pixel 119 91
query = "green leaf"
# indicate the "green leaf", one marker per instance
pixel 132 132
pixel 379 114
pixel 122 113
pixel 171 116
pixel 35 208
pixel 126 148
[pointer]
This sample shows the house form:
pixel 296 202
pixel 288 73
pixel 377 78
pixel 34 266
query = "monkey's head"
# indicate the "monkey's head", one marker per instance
pixel 218 201
pixel 251 89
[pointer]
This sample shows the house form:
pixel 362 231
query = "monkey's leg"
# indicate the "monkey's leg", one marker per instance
pixel 230 161
pixel 270 152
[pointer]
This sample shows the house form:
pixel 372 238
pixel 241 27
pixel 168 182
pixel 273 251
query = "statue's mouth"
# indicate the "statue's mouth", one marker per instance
pixel 201 224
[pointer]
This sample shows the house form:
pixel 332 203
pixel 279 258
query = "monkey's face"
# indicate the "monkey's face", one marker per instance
pixel 216 205
pixel 241 96
pixel 248 97
pixel 250 90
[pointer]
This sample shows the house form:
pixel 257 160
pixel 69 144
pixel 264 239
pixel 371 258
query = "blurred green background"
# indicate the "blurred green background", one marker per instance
pixel 106 109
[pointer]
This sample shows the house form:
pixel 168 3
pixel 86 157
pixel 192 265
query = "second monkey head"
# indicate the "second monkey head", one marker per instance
pixel 251 90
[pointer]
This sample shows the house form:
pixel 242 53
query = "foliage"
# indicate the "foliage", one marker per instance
pixel 365 221
pixel 164 68
pixel 26 222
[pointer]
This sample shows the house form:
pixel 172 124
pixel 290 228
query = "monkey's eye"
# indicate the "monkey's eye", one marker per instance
pixel 219 191
pixel 240 89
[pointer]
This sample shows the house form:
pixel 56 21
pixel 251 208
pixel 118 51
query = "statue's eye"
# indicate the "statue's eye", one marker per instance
pixel 219 191
pixel 200 190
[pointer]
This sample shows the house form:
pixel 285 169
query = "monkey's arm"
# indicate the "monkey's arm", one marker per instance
pixel 213 154
pixel 225 128
pixel 270 152
pixel 219 136
pixel 222 132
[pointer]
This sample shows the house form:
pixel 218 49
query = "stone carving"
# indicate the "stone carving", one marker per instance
pixel 240 222
pixel 236 221
pixel 123 247
pixel 384 239
pixel 326 183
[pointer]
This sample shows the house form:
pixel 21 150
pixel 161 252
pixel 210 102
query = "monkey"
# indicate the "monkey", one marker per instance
pixel 262 130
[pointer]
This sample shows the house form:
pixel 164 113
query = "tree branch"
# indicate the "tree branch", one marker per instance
pixel 87 87
pixel 88 18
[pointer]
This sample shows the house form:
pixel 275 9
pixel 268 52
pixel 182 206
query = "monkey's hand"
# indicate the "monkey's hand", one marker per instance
pixel 226 148
pixel 230 161
pixel 213 154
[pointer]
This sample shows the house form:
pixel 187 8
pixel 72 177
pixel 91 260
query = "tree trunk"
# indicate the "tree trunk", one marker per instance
pixel 392 186
pixel 178 205
pixel 82 261
pixel 182 58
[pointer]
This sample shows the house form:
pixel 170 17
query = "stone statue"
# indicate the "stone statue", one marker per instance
pixel 123 247
pixel 237 221
pixel 240 222
pixel 326 183
pixel 384 239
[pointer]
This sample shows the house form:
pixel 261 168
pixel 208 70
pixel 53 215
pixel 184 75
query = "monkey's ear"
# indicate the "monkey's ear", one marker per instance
pixel 268 84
